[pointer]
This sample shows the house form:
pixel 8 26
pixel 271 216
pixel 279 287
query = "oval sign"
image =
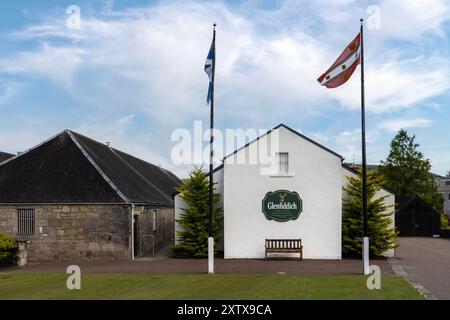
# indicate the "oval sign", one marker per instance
pixel 282 205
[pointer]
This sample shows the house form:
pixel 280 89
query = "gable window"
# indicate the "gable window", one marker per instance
pixel 283 163
pixel 26 221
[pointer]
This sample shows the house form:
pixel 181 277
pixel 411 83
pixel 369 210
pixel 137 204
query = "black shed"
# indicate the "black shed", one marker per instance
pixel 416 218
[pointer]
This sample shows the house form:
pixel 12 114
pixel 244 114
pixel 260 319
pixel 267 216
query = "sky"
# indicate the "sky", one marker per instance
pixel 132 73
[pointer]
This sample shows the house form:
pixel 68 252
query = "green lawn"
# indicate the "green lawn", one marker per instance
pixel 134 286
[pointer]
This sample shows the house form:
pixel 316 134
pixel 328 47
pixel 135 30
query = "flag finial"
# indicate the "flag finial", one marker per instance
pixel 214 25
pixel 361 20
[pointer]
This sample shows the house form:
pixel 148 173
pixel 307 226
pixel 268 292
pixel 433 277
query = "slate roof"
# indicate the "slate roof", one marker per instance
pixel 72 168
pixel 5 156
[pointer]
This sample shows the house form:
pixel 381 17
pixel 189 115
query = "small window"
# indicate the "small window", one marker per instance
pixel 447 183
pixel 26 221
pixel 283 163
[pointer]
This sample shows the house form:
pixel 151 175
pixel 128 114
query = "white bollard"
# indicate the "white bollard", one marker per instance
pixel 210 255
pixel 366 256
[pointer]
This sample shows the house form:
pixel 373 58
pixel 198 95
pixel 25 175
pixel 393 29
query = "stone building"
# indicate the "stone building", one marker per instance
pixel 74 198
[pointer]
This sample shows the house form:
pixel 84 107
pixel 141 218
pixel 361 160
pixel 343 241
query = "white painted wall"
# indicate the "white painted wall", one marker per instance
pixel 179 205
pixel 389 201
pixel 316 176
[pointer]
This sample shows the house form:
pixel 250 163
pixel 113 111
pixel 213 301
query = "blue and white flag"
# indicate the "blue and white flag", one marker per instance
pixel 209 68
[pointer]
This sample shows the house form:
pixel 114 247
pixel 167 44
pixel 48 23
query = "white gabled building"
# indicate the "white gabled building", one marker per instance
pixel 300 168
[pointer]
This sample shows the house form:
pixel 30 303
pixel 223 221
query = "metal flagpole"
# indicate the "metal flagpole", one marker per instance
pixel 364 165
pixel 211 159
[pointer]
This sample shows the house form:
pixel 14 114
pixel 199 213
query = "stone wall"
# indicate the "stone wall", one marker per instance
pixel 73 232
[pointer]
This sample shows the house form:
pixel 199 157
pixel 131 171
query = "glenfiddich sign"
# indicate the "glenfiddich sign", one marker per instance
pixel 282 205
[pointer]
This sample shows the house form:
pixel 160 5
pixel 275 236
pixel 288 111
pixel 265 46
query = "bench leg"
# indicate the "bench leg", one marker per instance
pixel 301 254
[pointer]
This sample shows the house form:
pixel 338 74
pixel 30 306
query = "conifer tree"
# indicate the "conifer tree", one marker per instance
pixel 381 235
pixel 407 172
pixel 193 239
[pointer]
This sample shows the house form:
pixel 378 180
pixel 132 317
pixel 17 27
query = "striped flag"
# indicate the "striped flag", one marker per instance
pixel 209 68
pixel 344 66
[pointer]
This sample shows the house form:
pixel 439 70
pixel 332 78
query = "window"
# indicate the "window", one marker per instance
pixel 283 163
pixel 449 196
pixel 26 221
pixel 447 183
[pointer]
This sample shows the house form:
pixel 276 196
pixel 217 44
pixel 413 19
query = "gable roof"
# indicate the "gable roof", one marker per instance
pixel 412 201
pixel 72 168
pixel 356 172
pixel 5 156
pixel 281 125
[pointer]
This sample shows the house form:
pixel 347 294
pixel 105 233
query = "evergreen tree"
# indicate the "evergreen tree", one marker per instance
pixel 407 172
pixel 193 239
pixel 382 236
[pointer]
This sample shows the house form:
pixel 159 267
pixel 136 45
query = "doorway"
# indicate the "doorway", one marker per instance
pixel 136 236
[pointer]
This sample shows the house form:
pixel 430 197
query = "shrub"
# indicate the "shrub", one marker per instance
pixel 8 247
pixel 444 222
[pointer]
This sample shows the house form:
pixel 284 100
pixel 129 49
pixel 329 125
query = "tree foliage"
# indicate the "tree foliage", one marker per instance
pixel 407 172
pixel 193 239
pixel 382 235
pixel 8 247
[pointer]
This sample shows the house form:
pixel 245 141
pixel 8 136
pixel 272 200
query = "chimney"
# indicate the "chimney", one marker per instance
pixel 108 144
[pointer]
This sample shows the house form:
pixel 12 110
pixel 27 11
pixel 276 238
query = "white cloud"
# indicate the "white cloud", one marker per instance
pixel 149 62
pixel 59 64
pixel 157 54
pixel 394 125
pixel 413 19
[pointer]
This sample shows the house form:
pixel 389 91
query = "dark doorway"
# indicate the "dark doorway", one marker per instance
pixel 136 236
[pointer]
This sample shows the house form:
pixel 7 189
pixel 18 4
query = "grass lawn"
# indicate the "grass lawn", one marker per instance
pixel 135 286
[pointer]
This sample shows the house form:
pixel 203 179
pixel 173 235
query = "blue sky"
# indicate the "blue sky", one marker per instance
pixel 134 72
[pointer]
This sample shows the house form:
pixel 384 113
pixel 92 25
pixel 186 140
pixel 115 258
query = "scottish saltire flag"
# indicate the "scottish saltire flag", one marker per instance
pixel 344 66
pixel 209 68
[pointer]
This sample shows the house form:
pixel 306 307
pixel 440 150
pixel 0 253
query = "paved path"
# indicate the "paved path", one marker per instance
pixel 195 266
pixel 427 261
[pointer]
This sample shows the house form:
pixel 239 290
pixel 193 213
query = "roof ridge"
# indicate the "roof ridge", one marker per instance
pixel 99 170
pixel 165 171
pixel 34 147
pixel 294 132
pixel 139 174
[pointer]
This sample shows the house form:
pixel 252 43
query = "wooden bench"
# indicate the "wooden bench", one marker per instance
pixel 284 246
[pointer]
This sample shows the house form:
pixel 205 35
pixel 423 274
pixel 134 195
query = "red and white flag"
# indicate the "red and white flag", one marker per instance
pixel 344 66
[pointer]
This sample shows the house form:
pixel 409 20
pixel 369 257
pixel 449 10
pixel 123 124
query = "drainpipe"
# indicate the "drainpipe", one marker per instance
pixel 132 232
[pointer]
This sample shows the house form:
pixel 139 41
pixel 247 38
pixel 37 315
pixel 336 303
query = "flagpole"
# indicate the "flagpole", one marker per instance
pixel 364 164
pixel 211 159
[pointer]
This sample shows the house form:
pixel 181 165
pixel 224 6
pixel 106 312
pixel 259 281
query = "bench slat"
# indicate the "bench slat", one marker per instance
pixel 284 246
